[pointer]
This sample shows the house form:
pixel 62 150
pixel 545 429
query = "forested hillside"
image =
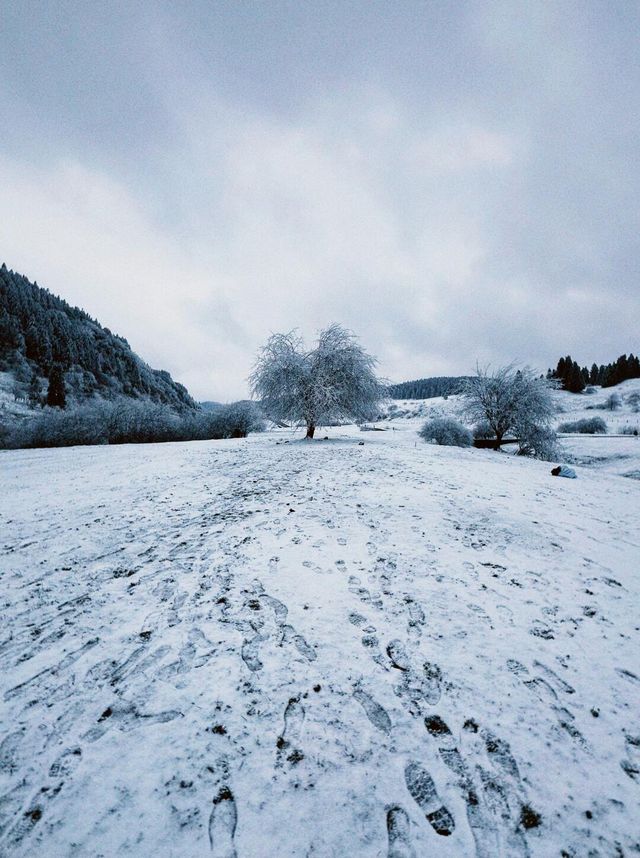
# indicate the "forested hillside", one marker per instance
pixel 42 337
pixel 426 388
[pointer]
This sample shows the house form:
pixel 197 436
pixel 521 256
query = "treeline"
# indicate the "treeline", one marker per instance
pixel 426 388
pixel 575 378
pixel 128 421
pixel 41 336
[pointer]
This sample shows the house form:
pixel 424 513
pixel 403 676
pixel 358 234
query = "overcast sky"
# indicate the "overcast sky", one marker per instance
pixel 454 181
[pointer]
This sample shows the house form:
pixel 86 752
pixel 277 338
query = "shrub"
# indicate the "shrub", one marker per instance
pixel 483 430
pixel 613 402
pixel 586 426
pixel 633 401
pixel 630 430
pixel 539 442
pixel 129 422
pixel 238 419
pixel 447 432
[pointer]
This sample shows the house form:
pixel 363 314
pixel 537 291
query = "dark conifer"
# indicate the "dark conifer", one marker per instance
pixel 34 393
pixel 56 394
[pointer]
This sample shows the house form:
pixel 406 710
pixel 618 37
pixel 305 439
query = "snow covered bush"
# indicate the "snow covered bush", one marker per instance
pixel 335 381
pixel 630 430
pixel 613 402
pixel 129 421
pixel 55 428
pixel 633 401
pixel 447 432
pixel 238 419
pixel 483 430
pixel 586 426
pixel 538 441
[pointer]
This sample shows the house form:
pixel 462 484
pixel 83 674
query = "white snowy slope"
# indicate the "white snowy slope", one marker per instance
pixel 260 648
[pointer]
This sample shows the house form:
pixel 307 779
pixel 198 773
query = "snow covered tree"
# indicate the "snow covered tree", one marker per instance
pixel 513 400
pixel 633 401
pixel 334 381
pixel 613 402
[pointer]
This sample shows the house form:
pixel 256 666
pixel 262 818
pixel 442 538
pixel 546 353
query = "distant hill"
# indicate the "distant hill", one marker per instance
pixel 208 405
pixel 41 335
pixel 426 388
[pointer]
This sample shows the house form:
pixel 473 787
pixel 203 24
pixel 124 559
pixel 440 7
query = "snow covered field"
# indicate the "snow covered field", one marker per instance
pixel 269 647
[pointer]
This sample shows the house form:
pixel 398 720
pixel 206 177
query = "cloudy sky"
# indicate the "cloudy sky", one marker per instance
pixel 455 181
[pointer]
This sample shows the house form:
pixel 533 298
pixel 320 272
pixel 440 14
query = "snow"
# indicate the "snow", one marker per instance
pixel 9 407
pixel 271 647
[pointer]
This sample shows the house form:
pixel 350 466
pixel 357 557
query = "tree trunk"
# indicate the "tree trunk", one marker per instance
pixel 310 430
pixel 499 437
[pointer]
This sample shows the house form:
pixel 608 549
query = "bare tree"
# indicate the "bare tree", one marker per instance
pixel 335 381
pixel 633 400
pixel 613 401
pixel 513 400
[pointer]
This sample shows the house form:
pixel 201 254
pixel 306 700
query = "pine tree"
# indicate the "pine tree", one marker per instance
pixel 574 382
pixel 56 395
pixel 34 390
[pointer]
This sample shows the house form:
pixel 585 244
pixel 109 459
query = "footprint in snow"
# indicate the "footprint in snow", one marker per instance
pixel 64 765
pixel 450 755
pixel 398 655
pixel 304 648
pixel 126 716
pixel 417 619
pixel 398 831
pixel 279 609
pixel 373 710
pixel 289 741
pixel 631 765
pixel 483 831
pixel 223 821
pixel 499 753
pixel 250 653
pixel 369 638
pixel 423 791
pixel 516 667
pixel 513 842
pixel 416 687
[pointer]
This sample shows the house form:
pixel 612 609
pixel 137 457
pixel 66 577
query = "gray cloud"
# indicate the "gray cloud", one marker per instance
pixel 452 184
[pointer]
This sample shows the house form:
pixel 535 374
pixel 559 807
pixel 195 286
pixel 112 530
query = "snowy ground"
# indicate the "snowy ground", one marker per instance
pixel 316 649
